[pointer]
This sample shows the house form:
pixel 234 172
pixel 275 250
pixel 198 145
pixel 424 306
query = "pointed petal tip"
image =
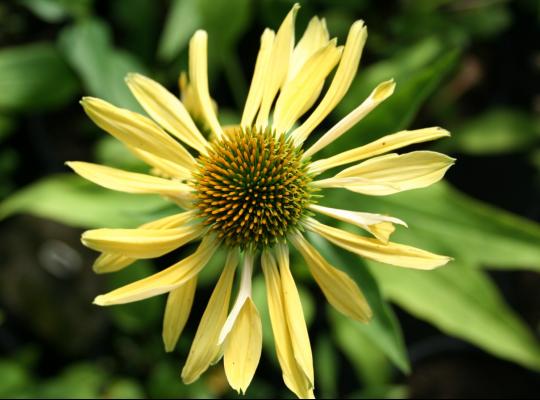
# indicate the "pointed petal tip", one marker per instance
pixel 100 301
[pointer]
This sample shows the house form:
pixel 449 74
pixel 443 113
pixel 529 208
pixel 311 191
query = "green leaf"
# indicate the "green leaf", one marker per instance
pixel 34 77
pixel 80 381
pixel 418 72
pixel 441 219
pixel 185 16
pixel 462 301
pixel 71 200
pixel 183 19
pixel 124 389
pixel 58 10
pixel 383 330
pixel 326 368
pixel 15 380
pixel 88 47
pixel 369 360
pixel 497 131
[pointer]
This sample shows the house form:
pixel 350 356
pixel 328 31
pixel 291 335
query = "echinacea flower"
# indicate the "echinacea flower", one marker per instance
pixel 252 189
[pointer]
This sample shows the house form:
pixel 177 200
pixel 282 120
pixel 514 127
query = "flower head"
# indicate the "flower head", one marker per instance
pixel 253 189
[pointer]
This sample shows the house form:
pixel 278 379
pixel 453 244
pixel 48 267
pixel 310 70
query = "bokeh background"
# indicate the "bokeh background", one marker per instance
pixel 467 330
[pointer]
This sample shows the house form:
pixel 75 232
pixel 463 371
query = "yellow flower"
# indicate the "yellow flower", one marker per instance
pixel 250 189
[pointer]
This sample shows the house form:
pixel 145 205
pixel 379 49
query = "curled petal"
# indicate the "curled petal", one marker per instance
pixel 391 253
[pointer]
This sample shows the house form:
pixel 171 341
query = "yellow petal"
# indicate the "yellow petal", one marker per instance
pixel 163 167
pixel 256 89
pixel 380 226
pixel 343 78
pixel 129 182
pixel 136 131
pixel 140 242
pixel 205 349
pixel 198 76
pixel 163 281
pixel 339 289
pixel 167 110
pixel 242 349
pixel 377 96
pixel 379 146
pixel 110 262
pixel 177 311
pixel 295 315
pixel 392 253
pixel 297 93
pixel 244 292
pixel 294 377
pixel 314 38
pixel 279 65
pixel 393 173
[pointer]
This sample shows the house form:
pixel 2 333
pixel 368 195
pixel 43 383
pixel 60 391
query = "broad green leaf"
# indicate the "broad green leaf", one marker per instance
pixel 88 47
pixel 418 72
pixel 79 381
pixel 34 77
pixel 183 19
pixel 326 367
pixel 371 364
pixel 462 301
pixel 124 389
pixel 15 379
pixel 383 330
pixel 71 200
pixel 497 131
pixel 441 219
pixel 58 10
pixel 214 13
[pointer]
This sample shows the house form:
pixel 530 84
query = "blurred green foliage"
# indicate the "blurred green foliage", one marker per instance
pixel 55 51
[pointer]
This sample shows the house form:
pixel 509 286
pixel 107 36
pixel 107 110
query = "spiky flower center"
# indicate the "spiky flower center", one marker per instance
pixel 252 187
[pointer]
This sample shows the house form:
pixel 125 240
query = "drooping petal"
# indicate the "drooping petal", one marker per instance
pixel 295 315
pixel 198 76
pixel 339 289
pixel 140 242
pixel 163 281
pixel 205 349
pixel 392 253
pixel 244 292
pixel 341 82
pixel 279 65
pixel 297 93
pixel 242 349
pixel 294 377
pixel 136 131
pixel 380 226
pixel 379 146
pixel 130 182
pixel 258 81
pixel 177 311
pixel 377 96
pixel 393 173
pixel 167 110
